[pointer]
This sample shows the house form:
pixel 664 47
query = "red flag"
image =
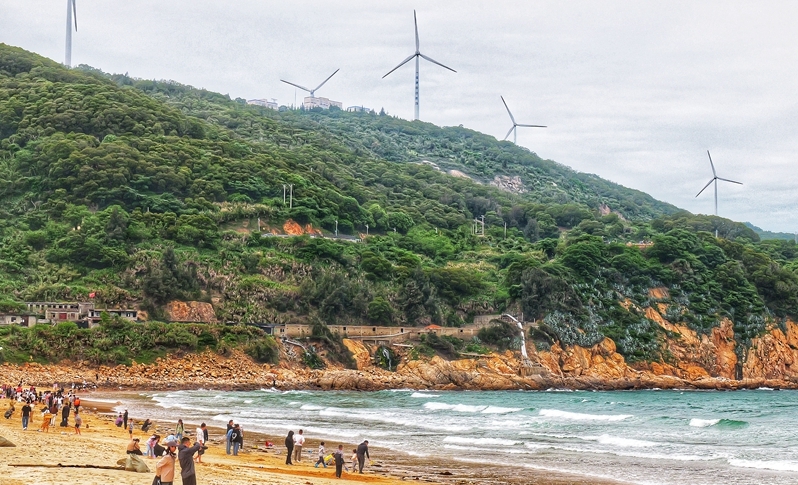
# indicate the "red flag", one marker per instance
pixel 92 294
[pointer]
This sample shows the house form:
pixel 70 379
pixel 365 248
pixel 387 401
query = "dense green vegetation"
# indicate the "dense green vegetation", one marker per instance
pixel 117 341
pixel 144 192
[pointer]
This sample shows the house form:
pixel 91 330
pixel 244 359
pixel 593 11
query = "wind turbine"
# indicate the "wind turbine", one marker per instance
pixel 311 91
pixel 513 130
pixel 71 9
pixel 417 55
pixel 715 179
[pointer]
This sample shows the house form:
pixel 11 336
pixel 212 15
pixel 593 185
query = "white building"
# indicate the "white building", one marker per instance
pixel 359 109
pixel 263 102
pixel 323 103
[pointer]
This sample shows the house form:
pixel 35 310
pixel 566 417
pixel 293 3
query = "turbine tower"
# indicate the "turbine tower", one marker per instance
pixel 71 10
pixel 513 130
pixel 417 55
pixel 715 179
pixel 311 91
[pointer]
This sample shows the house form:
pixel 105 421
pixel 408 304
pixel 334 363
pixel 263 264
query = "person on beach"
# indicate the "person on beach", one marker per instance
pixel 78 422
pixel 339 458
pixel 299 442
pixel 46 417
pixel 202 437
pixel 130 429
pixel 289 445
pixel 133 447
pixel 151 444
pixel 10 411
pixel 321 456
pixel 362 452
pixel 118 421
pixel 25 415
pixel 353 459
pixel 179 430
pixel 146 425
pixel 185 455
pixel 227 441
pixel 65 414
pixel 237 438
pixel 165 468
pixel 124 418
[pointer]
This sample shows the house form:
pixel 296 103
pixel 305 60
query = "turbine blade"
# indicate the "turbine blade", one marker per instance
pixel 322 84
pixel 400 64
pixel 727 180
pixel 435 62
pixel 415 22
pixel 508 133
pixel 75 14
pixel 295 85
pixel 711 164
pixel 531 126
pixel 705 187
pixel 508 110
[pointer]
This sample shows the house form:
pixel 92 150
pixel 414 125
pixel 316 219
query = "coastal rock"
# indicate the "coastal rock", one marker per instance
pixel 190 311
pixel 4 443
pixel 360 353
pixel 774 355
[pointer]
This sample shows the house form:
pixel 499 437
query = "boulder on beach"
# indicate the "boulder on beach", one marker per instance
pixel 4 443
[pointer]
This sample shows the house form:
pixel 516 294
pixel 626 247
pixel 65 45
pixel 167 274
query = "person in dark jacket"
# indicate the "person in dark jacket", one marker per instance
pixel 65 415
pixel 237 438
pixel 185 455
pixel 124 418
pixel 362 454
pixel 289 445
pixel 339 458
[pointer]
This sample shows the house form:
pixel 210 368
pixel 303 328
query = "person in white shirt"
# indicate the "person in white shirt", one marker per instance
pixel 299 440
pixel 201 437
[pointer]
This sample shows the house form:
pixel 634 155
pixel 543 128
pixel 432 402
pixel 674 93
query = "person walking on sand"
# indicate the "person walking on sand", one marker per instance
pixel 130 429
pixel 78 422
pixel 202 437
pixel 353 459
pixel 185 455
pixel 46 417
pixel 289 446
pixel 227 441
pixel 25 415
pixel 299 442
pixel 165 468
pixel 124 418
pixel 339 458
pixel 362 453
pixel 179 430
pixel 321 456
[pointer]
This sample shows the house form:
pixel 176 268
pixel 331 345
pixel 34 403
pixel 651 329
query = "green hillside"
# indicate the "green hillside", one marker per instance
pixel 143 192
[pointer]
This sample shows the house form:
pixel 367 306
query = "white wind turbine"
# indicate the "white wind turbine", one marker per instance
pixel 513 130
pixel 71 10
pixel 715 179
pixel 417 55
pixel 311 91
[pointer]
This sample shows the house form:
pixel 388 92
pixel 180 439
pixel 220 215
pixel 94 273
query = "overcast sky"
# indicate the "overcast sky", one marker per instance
pixel 635 92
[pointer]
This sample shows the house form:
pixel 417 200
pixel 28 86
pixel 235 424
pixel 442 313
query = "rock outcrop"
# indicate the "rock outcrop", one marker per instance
pixel 190 311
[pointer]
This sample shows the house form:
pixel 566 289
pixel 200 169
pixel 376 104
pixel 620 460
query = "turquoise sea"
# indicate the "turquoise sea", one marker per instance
pixel 642 437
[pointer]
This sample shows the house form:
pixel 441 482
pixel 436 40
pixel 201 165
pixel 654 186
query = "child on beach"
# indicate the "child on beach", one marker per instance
pixel 78 422
pixel 321 456
pixel 46 417
pixel 353 459
pixel 130 428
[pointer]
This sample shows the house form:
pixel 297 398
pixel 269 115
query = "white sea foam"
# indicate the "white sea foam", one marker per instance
pixel 460 408
pixel 464 440
pixel 424 394
pixel 248 401
pixel 556 413
pixel 499 410
pixel 606 439
pixel 780 465
pixel 311 407
pixel 703 423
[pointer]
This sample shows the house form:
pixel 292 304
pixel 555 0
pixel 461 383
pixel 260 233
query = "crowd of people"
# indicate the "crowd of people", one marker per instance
pixel 54 402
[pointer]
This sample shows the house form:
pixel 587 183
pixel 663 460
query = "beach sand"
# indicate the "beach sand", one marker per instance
pixel 102 443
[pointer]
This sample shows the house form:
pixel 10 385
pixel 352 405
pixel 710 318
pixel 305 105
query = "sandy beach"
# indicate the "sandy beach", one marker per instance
pixel 102 444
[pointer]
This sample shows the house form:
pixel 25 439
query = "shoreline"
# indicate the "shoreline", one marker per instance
pixel 386 463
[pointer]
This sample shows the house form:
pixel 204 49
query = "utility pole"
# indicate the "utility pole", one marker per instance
pixel 505 230
pixel 336 228
pixel 483 225
pixel 283 194
pixel 291 196
pixel 367 229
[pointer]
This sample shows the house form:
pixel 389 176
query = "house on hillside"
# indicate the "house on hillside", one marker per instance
pixel 95 315
pixel 18 318
pixel 57 312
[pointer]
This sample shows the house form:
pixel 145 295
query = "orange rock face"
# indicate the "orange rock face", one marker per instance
pixel 774 355
pixel 190 311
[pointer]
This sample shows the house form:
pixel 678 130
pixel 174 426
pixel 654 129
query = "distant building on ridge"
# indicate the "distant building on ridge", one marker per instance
pixel 319 102
pixel 264 103
pixel 359 109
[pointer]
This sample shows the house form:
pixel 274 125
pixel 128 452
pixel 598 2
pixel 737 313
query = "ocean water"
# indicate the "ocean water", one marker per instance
pixel 642 437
